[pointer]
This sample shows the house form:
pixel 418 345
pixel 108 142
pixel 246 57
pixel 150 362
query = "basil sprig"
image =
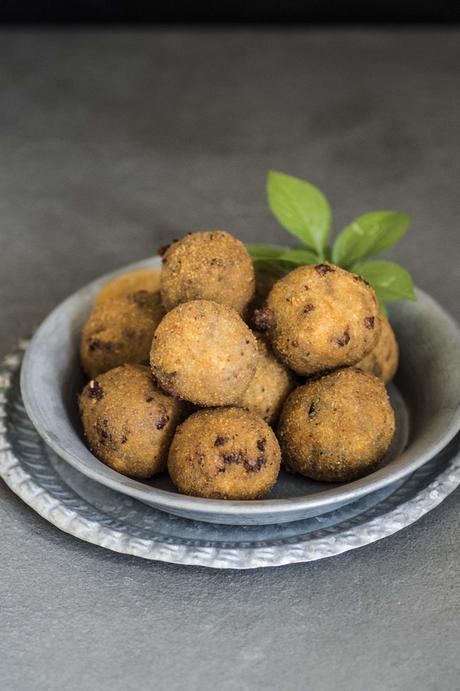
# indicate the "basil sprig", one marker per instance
pixel 303 210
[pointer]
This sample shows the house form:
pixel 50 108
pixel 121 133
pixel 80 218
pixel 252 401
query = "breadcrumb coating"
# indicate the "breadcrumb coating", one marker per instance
pixel 225 453
pixel 210 265
pixel 320 317
pixel 270 385
pixel 383 359
pixel 204 352
pixel 142 279
pixel 120 330
pixel 337 427
pixel 128 421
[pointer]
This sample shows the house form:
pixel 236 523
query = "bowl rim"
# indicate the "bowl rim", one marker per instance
pixel 181 503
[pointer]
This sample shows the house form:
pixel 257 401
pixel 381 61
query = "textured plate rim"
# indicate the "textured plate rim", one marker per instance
pixel 69 521
pixel 182 504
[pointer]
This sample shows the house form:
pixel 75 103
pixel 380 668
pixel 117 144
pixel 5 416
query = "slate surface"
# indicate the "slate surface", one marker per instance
pixel 113 142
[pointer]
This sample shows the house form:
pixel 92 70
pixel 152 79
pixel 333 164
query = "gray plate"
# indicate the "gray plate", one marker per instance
pixel 90 511
pixel 428 382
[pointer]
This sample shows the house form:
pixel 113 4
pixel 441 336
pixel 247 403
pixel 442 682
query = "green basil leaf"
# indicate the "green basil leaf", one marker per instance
pixel 368 235
pixel 301 209
pixel 390 281
pixel 265 251
pixel 300 256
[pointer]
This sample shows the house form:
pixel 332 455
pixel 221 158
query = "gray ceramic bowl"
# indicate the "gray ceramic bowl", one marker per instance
pixel 426 398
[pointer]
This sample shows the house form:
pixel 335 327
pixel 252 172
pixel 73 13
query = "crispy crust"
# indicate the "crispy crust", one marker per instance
pixel 120 330
pixel 270 385
pixel 210 265
pixel 226 453
pixel 204 352
pixel 128 421
pixel 142 279
pixel 337 427
pixel 320 317
pixel 383 359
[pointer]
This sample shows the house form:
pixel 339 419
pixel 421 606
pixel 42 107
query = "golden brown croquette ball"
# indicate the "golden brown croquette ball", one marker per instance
pixel 207 266
pixel 142 279
pixel 383 359
pixel 128 421
pixel 120 330
pixel 320 317
pixel 338 427
pixel 204 352
pixel 270 385
pixel 225 453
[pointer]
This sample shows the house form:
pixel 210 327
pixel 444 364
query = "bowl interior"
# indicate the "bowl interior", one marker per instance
pixel 425 398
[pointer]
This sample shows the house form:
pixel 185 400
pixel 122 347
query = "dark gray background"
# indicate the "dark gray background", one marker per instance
pixel 112 143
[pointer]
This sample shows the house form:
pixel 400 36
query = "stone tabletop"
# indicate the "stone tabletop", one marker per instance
pixel 112 143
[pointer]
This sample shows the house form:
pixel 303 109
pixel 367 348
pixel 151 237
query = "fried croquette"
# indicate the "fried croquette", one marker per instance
pixel 203 352
pixel 120 330
pixel 336 428
pixel 128 421
pixel 383 359
pixel 225 453
pixel 210 265
pixel 270 385
pixel 142 279
pixel 320 317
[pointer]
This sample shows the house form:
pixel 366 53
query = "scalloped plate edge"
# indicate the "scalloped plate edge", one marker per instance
pixel 69 521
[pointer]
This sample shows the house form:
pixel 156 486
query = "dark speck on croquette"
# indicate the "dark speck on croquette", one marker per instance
pixel 95 390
